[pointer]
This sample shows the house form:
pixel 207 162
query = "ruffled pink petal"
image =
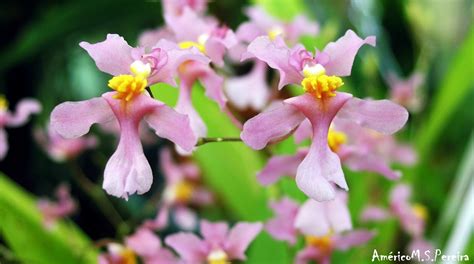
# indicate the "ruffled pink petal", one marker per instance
pixel 150 38
pixel 185 218
pixel 189 247
pixel 216 47
pixel 240 237
pixel 112 56
pixel 162 256
pixel 175 58
pixel 373 162
pixel 300 26
pixel 24 109
pixel 214 233
pixel 172 125
pixel 271 125
pixel 321 166
pixel 352 239
pixel 248 31
pixel 373 213
pixel 144 242
pixel 282 227
pixel 74 119
pixel 189 25
pixel 250 90
pixel 277 55
pixel 213 85
pixel 312 220
pixel 176 7
pixel 260 17
pixel 3 143
pixel 279 166
pixel 343 51
pixel 383 116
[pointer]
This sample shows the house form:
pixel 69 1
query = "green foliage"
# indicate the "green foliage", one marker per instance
pixel 22 229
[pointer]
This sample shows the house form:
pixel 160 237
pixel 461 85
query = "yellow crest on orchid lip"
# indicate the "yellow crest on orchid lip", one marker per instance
pixel 128 256
pixel 200 44
pixel 336 139
pixel 324 243
pixel 275 32
pixel 184 191
pixel 420 211
pixel 322 86
pixel 3 103
pixel 218 256
pixel 127 86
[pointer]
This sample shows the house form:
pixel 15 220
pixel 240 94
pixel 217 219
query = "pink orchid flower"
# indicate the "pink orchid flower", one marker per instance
pixel 24 109
pixel 251 90
pixel 182 190
pixel 219 244
pixel 61 149
pixel 406 91
pixel 147 245
pixel 326 226
pixel 117 254
pixel 62 208
pixel 320 104
pixel 177 7
pixel 412 216
pixel 359 148
pixel 127 171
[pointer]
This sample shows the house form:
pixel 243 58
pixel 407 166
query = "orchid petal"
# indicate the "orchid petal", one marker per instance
pixel 240 237
pixel 112 56
pixel 279 166
pixel 215 232
pixel 311 219
pixel 24 109
pixel 352 239
pixel 343 51
pixel 270 125
pixel 188 246
pixel 74 119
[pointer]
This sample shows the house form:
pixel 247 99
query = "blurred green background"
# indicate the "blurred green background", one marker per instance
pixel 40 57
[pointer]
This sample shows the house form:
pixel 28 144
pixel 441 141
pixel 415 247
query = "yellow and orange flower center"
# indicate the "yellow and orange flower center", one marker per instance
pixel 420 211
pixel 275 31
pixel 3 103
pixel 218 256
pixel 336 139
pixel 128 86
pixel 318 84
pixel 180 192
pixel 126 255
pixel 200 44
pixel 323 243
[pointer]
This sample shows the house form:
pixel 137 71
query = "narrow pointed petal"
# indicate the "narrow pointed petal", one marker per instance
pixel 383 116
pixel 370 162
pixel 352 239
pixel 279 166
pixel 277 55
pixel 188 246
pixel 215 232
pixel 214 86
pixel 250 90
pixel 240 237
pixel 311 219
pixel 271 125
pixel 112 56
pixel 185 106
pixel 24 109
pixel 321 166
pixel 343 51
pixel 74 119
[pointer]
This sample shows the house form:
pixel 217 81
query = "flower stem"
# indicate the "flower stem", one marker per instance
pixel 97 195
pixel 202 141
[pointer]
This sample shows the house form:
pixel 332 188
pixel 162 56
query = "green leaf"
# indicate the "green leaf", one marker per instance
pixel 22 229
pixel 229 168
pixel 283 9
pixel 455 86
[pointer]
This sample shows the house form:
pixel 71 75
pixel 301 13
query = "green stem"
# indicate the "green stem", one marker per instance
pixel 202 141
pixel 97 195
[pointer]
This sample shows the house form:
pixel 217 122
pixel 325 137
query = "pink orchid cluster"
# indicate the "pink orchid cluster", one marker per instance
pixel 52 211
pixel 411 216
pixel 193 47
